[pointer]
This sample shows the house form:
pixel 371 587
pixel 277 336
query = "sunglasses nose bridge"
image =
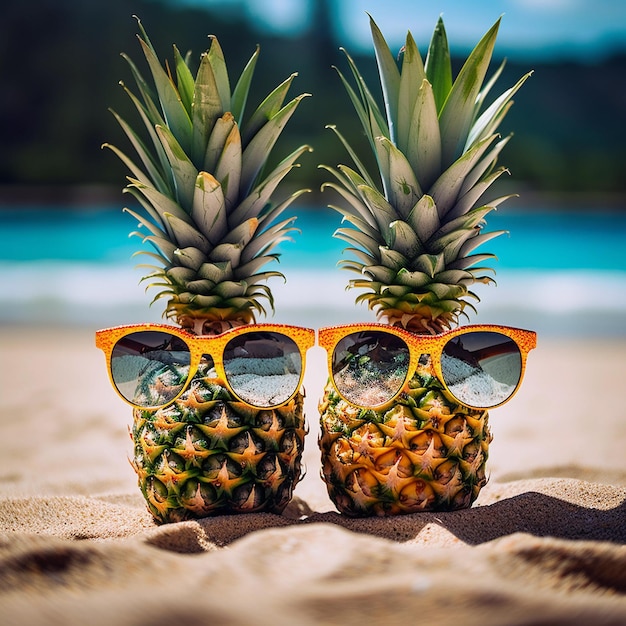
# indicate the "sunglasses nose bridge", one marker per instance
pixel 204 349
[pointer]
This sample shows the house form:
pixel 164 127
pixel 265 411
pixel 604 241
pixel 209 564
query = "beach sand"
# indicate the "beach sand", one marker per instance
pixel 544 544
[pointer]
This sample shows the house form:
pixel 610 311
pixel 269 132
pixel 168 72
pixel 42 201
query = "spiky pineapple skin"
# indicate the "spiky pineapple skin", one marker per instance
pixel 422 452
pixel 208 454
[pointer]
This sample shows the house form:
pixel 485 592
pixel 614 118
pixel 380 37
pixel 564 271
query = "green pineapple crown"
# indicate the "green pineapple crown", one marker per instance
pixel 207 201
pixel 414 227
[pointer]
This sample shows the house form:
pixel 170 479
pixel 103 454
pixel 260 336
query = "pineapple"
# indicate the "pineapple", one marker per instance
pixel 413 229
pixel 207 197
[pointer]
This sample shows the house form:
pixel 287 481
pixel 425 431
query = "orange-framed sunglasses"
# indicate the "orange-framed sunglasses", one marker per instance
pixel 481 366
pixel 152 365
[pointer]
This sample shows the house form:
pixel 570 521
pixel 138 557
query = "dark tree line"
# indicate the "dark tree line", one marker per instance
pixel 60 65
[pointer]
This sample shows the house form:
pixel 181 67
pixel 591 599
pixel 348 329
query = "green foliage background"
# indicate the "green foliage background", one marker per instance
pixel 60 65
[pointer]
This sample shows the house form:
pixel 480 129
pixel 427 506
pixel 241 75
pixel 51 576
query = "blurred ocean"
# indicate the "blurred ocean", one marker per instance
pixel 560 273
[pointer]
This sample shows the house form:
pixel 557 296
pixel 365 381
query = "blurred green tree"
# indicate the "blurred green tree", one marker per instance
pixel 60 65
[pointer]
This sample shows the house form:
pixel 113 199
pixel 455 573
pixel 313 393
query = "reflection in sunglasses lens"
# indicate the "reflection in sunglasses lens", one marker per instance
pixel 149 368
pixel 263 368
pixel 370 367
pixel 481 369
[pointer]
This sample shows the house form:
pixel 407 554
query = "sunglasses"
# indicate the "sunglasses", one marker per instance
pixel 481 366
pixel 152 365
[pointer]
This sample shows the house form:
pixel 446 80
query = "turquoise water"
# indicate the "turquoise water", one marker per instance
pixel 543 240
pixel 562 272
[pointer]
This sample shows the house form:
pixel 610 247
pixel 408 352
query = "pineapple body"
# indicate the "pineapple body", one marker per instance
pixel 423 452
pixel 209 454
pixel 210 210
pixel 413 226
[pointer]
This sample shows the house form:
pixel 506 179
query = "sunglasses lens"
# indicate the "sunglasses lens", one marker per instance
pixel 263 368
pixel 370 367
pixel 481 369
pixel 149 368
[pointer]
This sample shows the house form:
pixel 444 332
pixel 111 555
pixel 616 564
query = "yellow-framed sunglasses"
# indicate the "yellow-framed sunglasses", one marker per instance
pixel 152 365
pixel 481 366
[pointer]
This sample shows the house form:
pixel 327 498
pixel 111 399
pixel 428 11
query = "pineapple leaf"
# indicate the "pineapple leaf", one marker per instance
pixel 469 221
pixel 205 109
pixel 404 239
pixel 353 155
pixel 484 92
pixel 423 218
pixel 430 264
pixel 489 121
pixel 242 88
pixel 228 169
pixel 382 274
pixel 455 243
pixel 267 240
pixel 389 78
pixel 243 233
pixel 164 246
pixel 411 78
pixel 473 271
pixel 158 271
pixel 447 292
pixel 242 304
pixel 366 283
pixel 215 56
pixel 184 80
pixel 267 217
pixel 180 275
pixel 231 289
pixel 468 201
pixel 446 190
pixel 208 209
pixel 259 197
pixel 130 164
pixel 184 171
pixel 153 174
pixel 151 226
pixel 358 208
pixel 478 240
pixel 458 111
pixel 217 141
pixel 471 260
pixel 438 65
pixel 192 257
pixel 266 110
pixel 216 272
pixel 355 237
pixel 200 287
pixel 147 93
pixel 149 209
pixel 358 222
pixel 424 140
pixel 187 235
pixel 484 166
pixel 161 203
pixel 251 267
pixel 363 258
pixel 351 266
pixel 453 276
pixel 143 33
pixel 164 170
pixel 372 120
pixel 397 291
pixel 256 151
pixel 174 112
pixel 382 211
pixel 203 302
pixel 392 258
pixel 414 280
pixel 403 190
